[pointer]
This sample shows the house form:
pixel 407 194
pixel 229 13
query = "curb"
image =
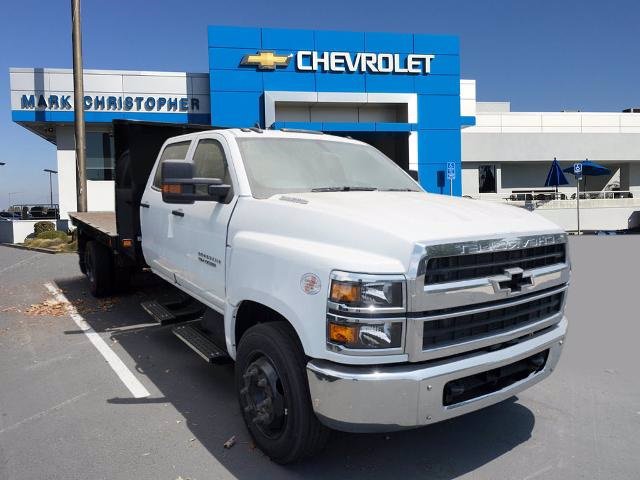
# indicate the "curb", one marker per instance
pixel 35 249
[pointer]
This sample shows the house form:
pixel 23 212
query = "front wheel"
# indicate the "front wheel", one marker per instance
pixel 274 394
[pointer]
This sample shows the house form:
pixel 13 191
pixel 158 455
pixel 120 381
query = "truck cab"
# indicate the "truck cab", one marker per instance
pixel 348 297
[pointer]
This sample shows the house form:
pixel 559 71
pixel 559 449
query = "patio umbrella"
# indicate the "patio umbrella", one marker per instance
pixel 555 176
pixel 590 169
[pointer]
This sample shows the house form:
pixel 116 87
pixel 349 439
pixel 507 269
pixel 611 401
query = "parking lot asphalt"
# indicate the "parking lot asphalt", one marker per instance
pixel 65 414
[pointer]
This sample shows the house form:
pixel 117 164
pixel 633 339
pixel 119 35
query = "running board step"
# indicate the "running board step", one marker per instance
pixel 200 343
pixel 173 312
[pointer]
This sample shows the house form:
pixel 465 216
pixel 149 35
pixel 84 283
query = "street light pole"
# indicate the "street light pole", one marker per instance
pixel 78 106
pixel 12 193
pixel 50 172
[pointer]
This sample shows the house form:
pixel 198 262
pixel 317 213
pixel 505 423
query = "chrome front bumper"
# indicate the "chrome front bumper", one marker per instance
pixel 387 398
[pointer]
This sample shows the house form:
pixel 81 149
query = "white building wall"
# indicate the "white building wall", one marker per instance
pixel 100 194
pixel 66 156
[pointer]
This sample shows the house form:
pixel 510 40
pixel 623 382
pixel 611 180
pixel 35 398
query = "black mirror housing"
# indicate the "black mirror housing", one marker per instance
pixel 179 185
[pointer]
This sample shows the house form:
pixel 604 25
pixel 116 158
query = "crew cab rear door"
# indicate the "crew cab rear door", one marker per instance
pixel 198 246
pixel 155 215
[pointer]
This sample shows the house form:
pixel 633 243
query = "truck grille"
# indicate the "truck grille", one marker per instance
pixel 465 267
pixel 500 318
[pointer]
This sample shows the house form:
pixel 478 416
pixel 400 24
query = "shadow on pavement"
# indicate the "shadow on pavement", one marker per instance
pixel 205 397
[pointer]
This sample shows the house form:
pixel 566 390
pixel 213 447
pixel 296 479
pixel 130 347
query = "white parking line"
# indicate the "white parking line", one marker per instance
pixel 128 378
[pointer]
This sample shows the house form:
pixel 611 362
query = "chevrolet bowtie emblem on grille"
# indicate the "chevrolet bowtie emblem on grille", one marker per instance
pixel 513 280
pixel 266 60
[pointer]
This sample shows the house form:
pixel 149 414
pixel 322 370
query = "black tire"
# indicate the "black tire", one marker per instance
pixel 82 250
pixel 99 266
pixel 286 429
pixel 82 262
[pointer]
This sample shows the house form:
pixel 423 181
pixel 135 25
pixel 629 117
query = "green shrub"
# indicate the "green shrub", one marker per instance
pixel 50 234
pixel 40 227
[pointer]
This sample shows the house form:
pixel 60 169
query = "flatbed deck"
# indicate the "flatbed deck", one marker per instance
pixel 104 222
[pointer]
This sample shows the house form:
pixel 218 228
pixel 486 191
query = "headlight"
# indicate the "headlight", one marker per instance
pixel 366 312
pixel 369 295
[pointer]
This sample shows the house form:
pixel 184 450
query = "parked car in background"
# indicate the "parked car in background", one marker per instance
pixel 9 215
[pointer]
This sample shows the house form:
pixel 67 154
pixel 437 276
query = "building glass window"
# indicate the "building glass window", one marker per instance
pixel 100 156
pixel 487 178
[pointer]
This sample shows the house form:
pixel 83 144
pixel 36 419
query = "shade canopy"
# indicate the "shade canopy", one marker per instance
pixel 555 176
pixel 590 169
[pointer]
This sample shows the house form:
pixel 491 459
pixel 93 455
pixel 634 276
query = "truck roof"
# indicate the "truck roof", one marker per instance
pixel 266 133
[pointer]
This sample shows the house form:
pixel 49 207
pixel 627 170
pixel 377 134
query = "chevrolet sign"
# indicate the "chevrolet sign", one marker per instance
pixel 312 61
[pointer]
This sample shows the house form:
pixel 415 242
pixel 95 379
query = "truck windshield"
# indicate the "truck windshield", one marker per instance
pixel 288 165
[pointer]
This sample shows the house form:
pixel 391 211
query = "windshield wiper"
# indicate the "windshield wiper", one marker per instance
pixel 344 189
pixel 398 190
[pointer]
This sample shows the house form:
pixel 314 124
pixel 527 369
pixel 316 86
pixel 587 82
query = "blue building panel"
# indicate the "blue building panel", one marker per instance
pixel 340 82
pixel 445 65
pixel 439 146
pixel 388 42
pixel 281 39
pixel 234 37
pixel 437 84
pixel 237 109
pixel 386 82
pixel 329 41
pixel 289 81
pixel 439 112
pixel 235 81
pixel 227 58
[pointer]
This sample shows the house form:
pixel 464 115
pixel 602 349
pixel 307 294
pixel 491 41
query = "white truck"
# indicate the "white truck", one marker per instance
pixel 347 297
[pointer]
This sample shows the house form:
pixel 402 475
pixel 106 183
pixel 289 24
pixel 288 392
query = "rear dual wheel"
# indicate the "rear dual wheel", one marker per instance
pixel 98 266
pixel 274 393
pixel 105 277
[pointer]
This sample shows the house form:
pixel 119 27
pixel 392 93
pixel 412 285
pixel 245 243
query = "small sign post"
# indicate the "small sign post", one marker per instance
pixel 577 172
pixel 451 175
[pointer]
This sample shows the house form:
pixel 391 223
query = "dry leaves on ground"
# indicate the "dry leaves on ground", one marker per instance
pixel 54 308
pixel 48 308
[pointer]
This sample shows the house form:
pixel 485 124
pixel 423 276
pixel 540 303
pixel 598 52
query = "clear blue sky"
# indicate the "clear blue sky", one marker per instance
pixel 541 55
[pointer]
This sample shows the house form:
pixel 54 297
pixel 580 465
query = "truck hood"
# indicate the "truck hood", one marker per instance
pixel 423 217
pixel 383 224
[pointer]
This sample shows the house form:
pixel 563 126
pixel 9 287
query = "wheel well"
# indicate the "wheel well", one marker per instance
pixel 252 313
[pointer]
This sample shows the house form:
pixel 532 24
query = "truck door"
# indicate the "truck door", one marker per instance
pixel 200 229
pixel 155 215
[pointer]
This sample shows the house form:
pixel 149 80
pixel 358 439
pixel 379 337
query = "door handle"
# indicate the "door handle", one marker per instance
pixel 144 204
pixel 177 213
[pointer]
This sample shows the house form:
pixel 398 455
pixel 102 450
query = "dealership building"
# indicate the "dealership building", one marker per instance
pixel 400 92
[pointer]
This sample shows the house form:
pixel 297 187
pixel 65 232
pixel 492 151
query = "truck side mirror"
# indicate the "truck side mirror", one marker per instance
pixel 179 185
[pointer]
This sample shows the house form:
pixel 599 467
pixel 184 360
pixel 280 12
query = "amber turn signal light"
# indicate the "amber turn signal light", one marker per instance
pixel 345 292
pixel 343 333
pixel 171 188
